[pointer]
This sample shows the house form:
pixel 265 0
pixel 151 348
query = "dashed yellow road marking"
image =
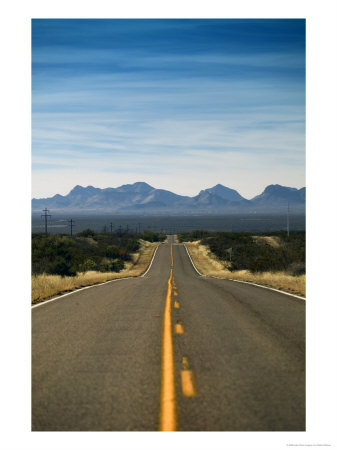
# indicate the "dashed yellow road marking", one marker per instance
pixel 176 304
pixel 188 383
pixel 179 329
pixel 185 363
pixel 187 380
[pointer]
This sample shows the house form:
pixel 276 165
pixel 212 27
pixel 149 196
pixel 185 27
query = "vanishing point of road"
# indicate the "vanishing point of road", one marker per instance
pixel 170 351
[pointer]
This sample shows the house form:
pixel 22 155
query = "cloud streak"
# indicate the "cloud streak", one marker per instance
pixel 144 99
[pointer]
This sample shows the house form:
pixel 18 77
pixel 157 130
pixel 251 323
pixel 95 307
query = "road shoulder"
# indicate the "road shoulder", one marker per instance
pixel 206 264
pixel 46 287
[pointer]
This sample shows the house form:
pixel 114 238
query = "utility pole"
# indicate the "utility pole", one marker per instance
pixel 71 226
pixel 288 220
pixel 45 215
pixel 111 227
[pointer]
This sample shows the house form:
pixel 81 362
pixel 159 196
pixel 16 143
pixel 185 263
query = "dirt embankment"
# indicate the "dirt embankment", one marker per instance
pixel 208 264
pixel 46 286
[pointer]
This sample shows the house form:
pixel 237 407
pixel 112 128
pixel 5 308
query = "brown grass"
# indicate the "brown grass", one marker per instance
pixel 273 241
pixel 46 286
pixel 207 264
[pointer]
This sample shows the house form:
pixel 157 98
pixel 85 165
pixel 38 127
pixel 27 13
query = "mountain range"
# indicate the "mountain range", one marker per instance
pixel 141 198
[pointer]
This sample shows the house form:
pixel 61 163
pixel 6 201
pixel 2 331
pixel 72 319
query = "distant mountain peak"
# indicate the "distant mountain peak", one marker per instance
pixel 79 189
pixel 225 193
pixel 76 188
pixel 278 188
pixel 275 193
pixel 139 187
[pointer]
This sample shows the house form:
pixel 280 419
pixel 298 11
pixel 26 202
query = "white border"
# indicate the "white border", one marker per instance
pixel 321 219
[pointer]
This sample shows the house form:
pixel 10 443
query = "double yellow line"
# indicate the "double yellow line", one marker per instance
pixel 168 413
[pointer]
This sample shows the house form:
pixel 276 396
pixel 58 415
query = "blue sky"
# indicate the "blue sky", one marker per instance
pixel 180 104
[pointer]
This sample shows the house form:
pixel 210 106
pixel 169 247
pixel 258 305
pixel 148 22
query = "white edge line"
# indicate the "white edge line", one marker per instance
pixel 193 262
pixel 154 254
pixel 246 282
pixel 95 285
pixel 264 287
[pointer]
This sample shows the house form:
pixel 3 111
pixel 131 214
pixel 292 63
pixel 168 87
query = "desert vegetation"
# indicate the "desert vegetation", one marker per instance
pixel 62 263
pixel 272 259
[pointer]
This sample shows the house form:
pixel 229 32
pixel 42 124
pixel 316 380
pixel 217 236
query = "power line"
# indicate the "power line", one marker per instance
pixel 71 226
pixel 45 215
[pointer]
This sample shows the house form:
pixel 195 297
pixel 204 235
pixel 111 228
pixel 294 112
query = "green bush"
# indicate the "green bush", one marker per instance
pixel 112 251
pixel 255 255
pixel 61 267
pixel 107 265
pixel 132 246
pixel 88 264
pixel 151 236
pixel 86 233
pixel 65 255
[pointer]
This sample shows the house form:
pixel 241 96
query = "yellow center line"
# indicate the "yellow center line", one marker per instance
pixel 168 414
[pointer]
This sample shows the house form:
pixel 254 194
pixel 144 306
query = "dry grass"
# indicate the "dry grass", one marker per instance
pixel 273 241
pixel 46 286
pixel 207 264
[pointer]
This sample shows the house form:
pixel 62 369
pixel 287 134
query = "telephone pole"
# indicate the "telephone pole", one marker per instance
pixel 45 215
pixel 288 220
pixel 71 226
pixel 111 227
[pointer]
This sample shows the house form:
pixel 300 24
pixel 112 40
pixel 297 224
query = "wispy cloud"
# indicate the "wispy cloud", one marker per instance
pixel 147 100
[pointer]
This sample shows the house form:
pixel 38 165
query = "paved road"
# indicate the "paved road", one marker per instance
pixel 232 357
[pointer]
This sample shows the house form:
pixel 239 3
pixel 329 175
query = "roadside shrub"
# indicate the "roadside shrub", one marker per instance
pixel 108 265
pixel 132 246
pixel 61 267
pixel 151 236
pixel 112 251
pixel 64 255
pixel 198 234
pixel 255 255
pixel 296 269
pixel 86 233
pixel 117 266
pixel 88 264
pixel 123 255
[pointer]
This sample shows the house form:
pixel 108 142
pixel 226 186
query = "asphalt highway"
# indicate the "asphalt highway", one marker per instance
pixel 169 351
